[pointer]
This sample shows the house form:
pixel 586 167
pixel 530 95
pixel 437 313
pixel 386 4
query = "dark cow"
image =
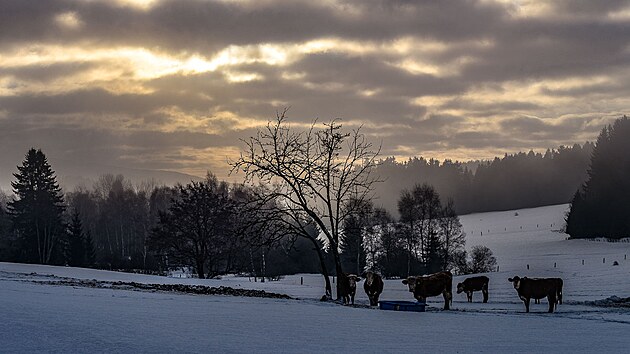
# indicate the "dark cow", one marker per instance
pixel 533 288
pixel 473 284
pixel 347 287
pixel 559 284
pixel 373 287
pixel 432 285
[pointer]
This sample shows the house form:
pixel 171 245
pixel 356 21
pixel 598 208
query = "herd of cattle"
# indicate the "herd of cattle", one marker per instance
pixel 441 283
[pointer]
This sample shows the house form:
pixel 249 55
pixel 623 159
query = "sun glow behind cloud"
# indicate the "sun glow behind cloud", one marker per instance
pixel 428 78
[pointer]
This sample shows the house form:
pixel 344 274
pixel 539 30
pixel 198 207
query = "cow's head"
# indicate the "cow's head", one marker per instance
pixel 369 278
pixel 411 282
pixel 516 281
pixel 460 288
pixel 352 280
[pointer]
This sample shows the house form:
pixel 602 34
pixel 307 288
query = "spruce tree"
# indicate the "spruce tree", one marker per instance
pixel 76 243
pixel 600 208
pixel 37 211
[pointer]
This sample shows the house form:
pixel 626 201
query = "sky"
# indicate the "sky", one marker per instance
pixel 173 85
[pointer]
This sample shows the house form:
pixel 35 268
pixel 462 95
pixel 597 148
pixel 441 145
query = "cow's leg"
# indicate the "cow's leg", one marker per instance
pixel 484 291
pixel 352 298
pixel 536 301
pixel 447 299
pixel 552 301
pixel 469 295
pixel 526 301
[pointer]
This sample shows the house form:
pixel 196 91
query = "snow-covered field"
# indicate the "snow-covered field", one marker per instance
pixel 36 316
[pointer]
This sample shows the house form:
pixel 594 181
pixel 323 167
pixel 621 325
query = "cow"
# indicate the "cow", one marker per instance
pixel 559 284
pixel 432 285
pixel 373 286
pixel 532 288
pixel 347 287
pixel 473 284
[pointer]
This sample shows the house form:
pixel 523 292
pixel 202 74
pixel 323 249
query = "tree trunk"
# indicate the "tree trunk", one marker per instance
pixel 200 271
pixel 322 263
pixel 338 269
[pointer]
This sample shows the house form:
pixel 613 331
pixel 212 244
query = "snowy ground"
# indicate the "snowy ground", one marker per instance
pixel 38 317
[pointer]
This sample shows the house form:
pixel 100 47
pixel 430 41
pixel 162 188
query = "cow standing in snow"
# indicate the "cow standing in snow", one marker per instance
pixel 347 287
pixel 473 284
pixel 536 288
pixel 373 286
pixel 432 285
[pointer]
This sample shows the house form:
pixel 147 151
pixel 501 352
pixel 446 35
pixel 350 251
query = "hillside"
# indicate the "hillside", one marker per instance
pixel 83 318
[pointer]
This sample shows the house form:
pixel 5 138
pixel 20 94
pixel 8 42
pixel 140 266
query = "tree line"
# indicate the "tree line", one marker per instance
pixel 522 180
pixel 306 201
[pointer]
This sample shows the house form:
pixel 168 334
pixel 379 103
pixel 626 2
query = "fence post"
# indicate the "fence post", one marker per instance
pixel 582 262
pixel 301 280
pixel 554 264
pixel 528 267
pixel 604 260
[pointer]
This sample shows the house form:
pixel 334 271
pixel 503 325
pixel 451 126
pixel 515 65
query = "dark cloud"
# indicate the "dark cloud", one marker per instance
pixel 485 78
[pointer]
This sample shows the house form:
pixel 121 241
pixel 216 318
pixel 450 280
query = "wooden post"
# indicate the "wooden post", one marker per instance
pixel 301 280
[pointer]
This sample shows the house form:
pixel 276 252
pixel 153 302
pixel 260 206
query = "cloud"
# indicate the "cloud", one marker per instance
pixel 169 84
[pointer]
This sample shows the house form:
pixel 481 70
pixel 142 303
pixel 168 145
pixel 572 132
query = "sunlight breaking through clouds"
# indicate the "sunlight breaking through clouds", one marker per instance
pixel 440 79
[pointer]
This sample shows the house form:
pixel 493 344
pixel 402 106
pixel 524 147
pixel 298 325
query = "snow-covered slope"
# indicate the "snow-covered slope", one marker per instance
pixel 67 318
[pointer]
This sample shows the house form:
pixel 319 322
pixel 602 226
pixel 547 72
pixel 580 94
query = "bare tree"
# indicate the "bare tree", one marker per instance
pixel 315 173
pixel 453 235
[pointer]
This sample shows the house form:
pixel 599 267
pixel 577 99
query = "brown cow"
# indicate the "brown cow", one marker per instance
pixel 559 284
pixel 347 287
pixel 532 288
pixel 432 285
pixel 373 286
pixel 473 284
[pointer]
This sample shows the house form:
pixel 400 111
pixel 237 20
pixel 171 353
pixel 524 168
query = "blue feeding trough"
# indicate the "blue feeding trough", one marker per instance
pixel 415 306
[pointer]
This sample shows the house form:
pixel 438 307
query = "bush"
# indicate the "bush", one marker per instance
pixel 481 260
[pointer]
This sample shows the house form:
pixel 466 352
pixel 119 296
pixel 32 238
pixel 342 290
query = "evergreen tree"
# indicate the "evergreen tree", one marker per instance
pixel 600 208
pixel 76 253
pixel 37 211
pixel 90 252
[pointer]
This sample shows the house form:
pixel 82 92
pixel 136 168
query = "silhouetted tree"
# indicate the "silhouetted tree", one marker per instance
pixel 420 210
pixel 481 260
pixel 196 228
pixel 90 253
pixel 355 227
pixel 6 241
pixel 601 208
pixel 316 173
pixel 453 238
pixel 37 211
pixel 76 253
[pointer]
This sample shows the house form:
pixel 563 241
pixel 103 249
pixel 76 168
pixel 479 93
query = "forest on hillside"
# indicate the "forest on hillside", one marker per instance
pixel 521 180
